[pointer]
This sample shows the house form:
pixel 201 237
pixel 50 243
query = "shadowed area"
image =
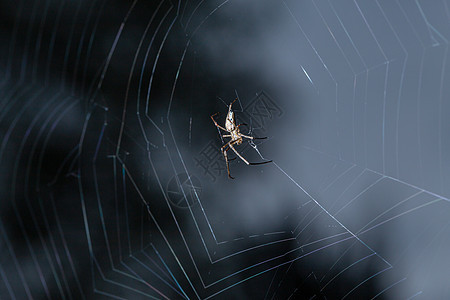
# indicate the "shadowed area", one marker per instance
pixel 113 175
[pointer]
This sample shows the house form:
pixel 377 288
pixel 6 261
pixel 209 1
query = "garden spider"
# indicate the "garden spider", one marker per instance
pixel 236 138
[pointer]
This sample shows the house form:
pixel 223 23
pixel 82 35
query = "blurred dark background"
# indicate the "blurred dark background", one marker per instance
pixel 112 181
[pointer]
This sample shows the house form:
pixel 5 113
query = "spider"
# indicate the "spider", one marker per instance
pixel 235 136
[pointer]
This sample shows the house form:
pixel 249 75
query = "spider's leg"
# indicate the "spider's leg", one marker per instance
pixel 231 104
pixel 240 156
pixel 248 163
pixel 225 146
pixel 215 123
pixel 260 163
pixel 229 159
pixel 253 138
pixel 224 152
pixel 246 136
pixel 228 166
pixel 229 107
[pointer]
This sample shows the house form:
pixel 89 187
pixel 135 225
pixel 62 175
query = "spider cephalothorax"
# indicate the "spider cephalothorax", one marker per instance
pixel 236 137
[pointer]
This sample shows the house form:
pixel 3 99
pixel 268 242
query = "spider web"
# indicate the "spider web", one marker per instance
pixel 113 179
